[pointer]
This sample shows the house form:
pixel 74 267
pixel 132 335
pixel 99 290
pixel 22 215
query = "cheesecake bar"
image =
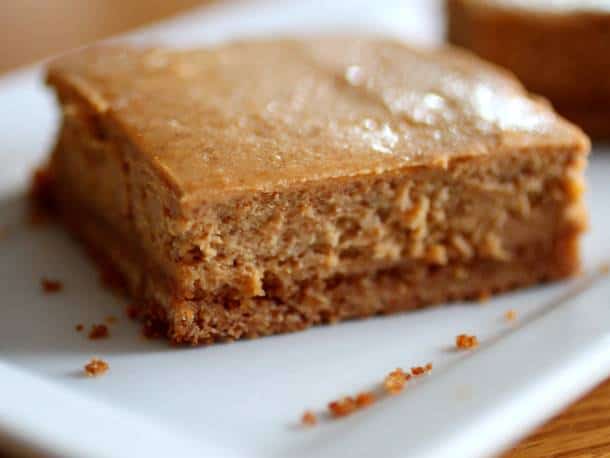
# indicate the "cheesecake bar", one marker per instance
pixel 558 49
pixel 266 186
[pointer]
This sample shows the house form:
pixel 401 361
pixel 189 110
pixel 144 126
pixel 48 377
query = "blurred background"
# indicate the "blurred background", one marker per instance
pixel 34 29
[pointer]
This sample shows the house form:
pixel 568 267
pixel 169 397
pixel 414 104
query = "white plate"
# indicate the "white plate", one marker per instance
pixel 245 399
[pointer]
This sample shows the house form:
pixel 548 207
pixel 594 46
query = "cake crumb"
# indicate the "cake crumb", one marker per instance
pixel 79 327
pixel 365 399
pixel 342 407
pixel 309 418
pixel 110 319
pixel 98 331
pixel 395 381
pixel 51 286
pixel 510 315
pixel 605 268
pixel 421 370
pixel 465 342
pixel 348 404
pixel 96 367
pixel 418 370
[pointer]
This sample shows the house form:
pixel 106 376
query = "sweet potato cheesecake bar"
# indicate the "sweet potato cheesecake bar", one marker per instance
pixel 557 48
pixel 262 187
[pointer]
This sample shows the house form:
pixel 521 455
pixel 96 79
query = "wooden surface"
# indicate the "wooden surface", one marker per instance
pixel 33 29
pixel 582 431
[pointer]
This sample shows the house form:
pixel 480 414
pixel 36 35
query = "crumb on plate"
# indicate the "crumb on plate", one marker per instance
pixel 51 286
pixel 393 384
pixel 98 331
pixel 465 341
pixel 342 407
pixel 348 404
pixel 418 370
pixel 421 370
pixel 309 418
pixel 395 381
pixel 510 315
pixel 365 399
pixel 96 367
pixel 79 327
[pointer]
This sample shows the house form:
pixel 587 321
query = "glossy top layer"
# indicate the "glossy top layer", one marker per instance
pixel 263 115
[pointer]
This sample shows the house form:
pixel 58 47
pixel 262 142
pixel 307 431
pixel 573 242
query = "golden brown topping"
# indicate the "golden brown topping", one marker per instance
pixel 98 331
pixel 464 341
pixel 51 286
pixel 79 327
pixel 309 418
pixel 96 367
pixel 510 315
pixel 428 367
pixel 395 381
pixel 342 407
pixel 377 106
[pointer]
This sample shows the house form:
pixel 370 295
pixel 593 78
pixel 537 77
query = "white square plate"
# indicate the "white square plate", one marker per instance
pixel 245 399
